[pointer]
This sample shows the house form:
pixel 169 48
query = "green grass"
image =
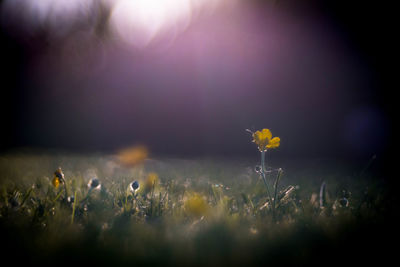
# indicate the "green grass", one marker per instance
pixel 232 226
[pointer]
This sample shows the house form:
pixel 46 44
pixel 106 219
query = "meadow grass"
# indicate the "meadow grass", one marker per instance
pixel 213 212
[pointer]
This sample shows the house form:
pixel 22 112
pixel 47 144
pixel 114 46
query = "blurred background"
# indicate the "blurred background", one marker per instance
pixel 187 77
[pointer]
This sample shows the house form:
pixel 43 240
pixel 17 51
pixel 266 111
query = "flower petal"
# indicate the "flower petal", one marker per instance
pixel 266 134
pixel 55 181
pixel 274 142
pixel 256 137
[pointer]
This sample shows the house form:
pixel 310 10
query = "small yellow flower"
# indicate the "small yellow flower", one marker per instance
pixel 133 156
pixel 58 178
pixel 56 182
pixel 151 180
pixel 196 205
pixel 59 174
pixel 264 140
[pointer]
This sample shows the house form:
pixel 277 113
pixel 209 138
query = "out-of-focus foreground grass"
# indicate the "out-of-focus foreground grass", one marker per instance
pixel 190 212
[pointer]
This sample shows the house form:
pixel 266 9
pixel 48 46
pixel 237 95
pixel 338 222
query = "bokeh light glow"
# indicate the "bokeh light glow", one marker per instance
pixel 57 15
pixel 139 22
pixel 135 22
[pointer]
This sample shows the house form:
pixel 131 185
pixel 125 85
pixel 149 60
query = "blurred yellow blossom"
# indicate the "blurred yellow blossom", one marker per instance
pixel 58 178
pixel 151 180
pixel 133 156
pixel 55 181
pixel 264 140
pixel 196 205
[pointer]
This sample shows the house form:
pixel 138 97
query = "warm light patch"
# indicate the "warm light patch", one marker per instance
pixel 133 156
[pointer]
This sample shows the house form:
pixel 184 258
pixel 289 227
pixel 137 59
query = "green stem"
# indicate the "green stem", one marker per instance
pixel 26 196
pixel 87 195
pixel 65 190
pixel 73 207
pixel 152 199
pixel 126 201
pixel 265 181
pixel 58 195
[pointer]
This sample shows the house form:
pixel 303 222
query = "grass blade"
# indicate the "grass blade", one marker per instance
pixel 73 208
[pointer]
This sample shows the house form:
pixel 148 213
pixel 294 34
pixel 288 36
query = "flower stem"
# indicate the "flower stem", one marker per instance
pixel 265 181
pixel 65 190
pixel 73 207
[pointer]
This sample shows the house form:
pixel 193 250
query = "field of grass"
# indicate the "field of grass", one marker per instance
pixel 195 212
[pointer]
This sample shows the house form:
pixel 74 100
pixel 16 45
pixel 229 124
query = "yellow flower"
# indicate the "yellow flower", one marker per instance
pixel 55 181
pixel 59 174
pixel 133 156
pixel 264 140
pixel 151 180
pixel 58 177
pixel 196 205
